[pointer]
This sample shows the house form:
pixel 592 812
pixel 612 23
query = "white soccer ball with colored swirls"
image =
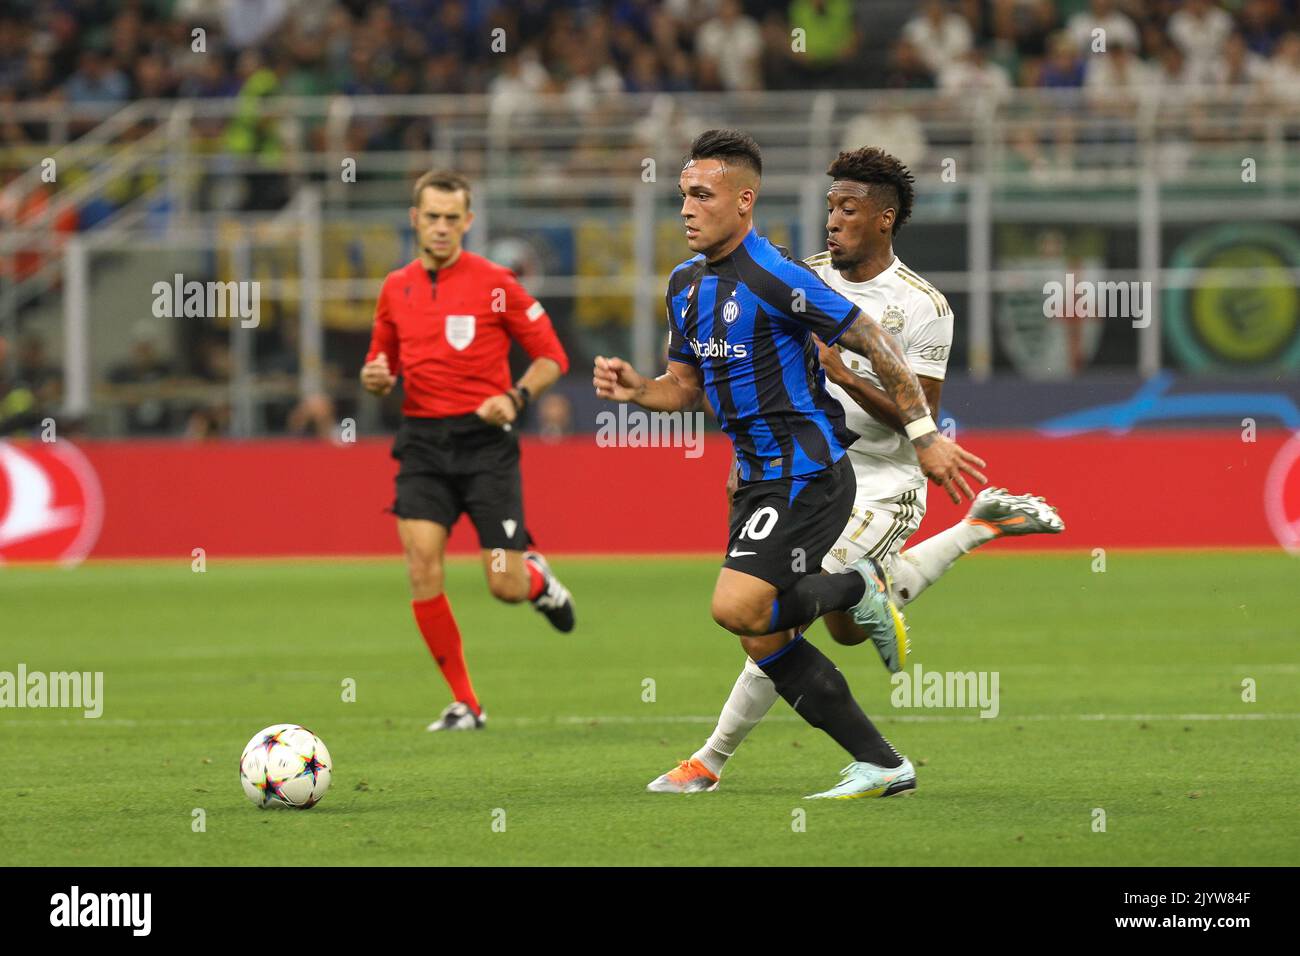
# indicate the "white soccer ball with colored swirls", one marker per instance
pixel 285 765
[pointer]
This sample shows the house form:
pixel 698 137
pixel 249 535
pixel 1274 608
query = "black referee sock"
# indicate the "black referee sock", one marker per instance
pixel 818 692
pixel 812 596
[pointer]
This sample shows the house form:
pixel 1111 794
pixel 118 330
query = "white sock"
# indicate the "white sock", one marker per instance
pixel 917 568
pixel 751 698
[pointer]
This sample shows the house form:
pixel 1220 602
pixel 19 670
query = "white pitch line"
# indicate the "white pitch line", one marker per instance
pixel 570 720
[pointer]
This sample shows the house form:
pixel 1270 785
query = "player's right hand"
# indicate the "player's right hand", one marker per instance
pixel 943 461
pixel 616 380
pixel 836 370
pixel 375 376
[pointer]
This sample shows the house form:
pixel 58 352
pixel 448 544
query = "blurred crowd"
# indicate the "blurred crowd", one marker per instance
pixel 112 51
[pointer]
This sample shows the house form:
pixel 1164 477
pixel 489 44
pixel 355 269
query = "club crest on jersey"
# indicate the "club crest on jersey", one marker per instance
pixel 460 331
pixel 892 320
pixel 730 311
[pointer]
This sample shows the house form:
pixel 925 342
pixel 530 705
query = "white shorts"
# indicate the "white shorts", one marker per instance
pixel 878 528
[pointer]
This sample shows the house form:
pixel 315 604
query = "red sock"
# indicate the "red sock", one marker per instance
pixel 536 583
pixel 439 630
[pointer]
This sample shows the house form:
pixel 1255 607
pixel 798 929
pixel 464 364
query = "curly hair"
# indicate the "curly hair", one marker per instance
pixel 876 168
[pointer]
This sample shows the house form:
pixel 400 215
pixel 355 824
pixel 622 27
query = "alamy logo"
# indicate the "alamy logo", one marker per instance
pixel 76 689
pixel 208 300
pixel 955 689
pixel 719 348
pixel 103 909
pixel 635 428
pixel 1085 299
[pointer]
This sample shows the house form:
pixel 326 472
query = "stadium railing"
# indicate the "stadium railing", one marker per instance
pixel 1128 169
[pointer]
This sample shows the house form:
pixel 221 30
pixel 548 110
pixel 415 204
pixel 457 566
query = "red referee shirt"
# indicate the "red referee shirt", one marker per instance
pixel 448 333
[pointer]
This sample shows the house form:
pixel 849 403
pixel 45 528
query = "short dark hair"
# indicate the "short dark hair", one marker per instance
pixel 443 180
pixel 875 167
pixel 731 146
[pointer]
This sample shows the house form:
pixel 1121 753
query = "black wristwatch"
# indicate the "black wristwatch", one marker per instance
pixel 520 396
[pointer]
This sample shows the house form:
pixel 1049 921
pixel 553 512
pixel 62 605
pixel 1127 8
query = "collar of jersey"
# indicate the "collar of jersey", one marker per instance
pixel 445 270
pixel 726 265
pixel 874 281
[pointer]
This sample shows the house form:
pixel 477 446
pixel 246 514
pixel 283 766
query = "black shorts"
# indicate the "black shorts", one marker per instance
pixel 453 466
pixel 782 528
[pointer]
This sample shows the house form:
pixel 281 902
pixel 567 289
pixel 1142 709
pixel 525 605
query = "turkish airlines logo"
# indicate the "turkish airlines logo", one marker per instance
pixel 51 504
pixel 1282 495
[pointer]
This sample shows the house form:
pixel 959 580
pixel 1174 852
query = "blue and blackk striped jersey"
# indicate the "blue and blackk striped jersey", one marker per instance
pixel 746 322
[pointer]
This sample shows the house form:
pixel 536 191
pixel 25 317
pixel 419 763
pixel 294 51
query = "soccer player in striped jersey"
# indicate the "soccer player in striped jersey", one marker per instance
pixel 742 315
pixel 870 198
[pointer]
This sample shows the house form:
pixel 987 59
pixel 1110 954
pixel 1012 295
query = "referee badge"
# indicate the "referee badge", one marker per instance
pixel 460 331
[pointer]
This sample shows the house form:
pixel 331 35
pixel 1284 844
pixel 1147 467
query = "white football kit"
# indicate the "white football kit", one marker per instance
pixel 890 500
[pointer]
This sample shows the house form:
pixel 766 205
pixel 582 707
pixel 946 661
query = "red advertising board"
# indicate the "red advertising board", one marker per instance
pixel 279 497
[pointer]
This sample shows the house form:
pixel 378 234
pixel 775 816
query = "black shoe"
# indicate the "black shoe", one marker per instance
pixel 555 601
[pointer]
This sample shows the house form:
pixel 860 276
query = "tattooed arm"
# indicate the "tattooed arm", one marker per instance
pixel 866 337
pixel 941 460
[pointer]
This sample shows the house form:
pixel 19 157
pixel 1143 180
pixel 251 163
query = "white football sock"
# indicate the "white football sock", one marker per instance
pixel 917 568
pixel 751 698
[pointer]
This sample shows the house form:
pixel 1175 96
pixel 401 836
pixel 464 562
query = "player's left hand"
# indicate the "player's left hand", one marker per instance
pixel 497 410
pixel 943 461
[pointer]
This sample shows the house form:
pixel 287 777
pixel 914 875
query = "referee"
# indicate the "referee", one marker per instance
pixel 444 324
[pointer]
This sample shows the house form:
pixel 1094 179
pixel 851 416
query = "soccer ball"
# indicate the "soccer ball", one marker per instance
pixel 285 765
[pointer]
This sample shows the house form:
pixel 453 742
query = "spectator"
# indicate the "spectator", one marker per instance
pixel 1116 29
pixel 590 80
pixel 38 77
pixel 730 48
pixel 940 35
pixel 145 366
pixel 1113 79
pixel 39 374
pixel 97 80
pixel 906 69
pixel 1021 28
pixel 515 90
pixel 152 79
pixel 554 417
pixel 893 128
pixel 1172 77
pixel 1282 75
pixel 1239 66
pixel 19 411
pixel 1200 30
pixel 246 23
pixel 830 37
pixel 1261 26
pixel 973 71
pixel 1063 67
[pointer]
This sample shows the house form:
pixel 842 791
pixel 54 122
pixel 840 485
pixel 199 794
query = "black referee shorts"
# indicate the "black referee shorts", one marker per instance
pixel 458 465
pixel 781 528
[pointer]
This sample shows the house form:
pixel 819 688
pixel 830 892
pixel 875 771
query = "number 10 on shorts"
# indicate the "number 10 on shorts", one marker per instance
pixel 760 524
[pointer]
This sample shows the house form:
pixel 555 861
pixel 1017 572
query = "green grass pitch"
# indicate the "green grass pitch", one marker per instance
pixel 1120 692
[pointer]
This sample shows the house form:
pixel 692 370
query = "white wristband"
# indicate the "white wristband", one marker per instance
pixel 922 426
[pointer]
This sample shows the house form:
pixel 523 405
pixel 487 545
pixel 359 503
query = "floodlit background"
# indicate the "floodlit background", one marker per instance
pixel 1150 141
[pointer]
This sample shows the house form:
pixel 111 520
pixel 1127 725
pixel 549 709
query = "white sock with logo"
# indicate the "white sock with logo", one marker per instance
pixel 751 698
pixel 917 568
